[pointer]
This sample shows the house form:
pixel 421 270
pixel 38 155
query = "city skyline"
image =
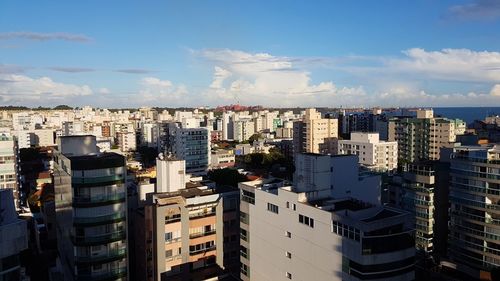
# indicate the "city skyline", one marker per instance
pixel 173 54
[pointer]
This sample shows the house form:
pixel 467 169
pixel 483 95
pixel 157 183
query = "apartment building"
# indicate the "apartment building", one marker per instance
pixel 413 190
pixel 127 141
pixel 13 237
pixel 287 234
pixel 91 211
pixel 312 131
pixel 8 165
pixel 373 153
pixel 474 237
pixel 222 158
pixel 189 144
pixel 243 129
pixel 422 137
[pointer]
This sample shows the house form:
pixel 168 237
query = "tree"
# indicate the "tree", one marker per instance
pixel 254 137
pixel 63 107
pixel 226 176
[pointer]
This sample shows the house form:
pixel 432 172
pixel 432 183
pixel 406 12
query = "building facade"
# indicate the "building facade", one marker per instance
pixel 291 235
pixel 312 131
pixel 373 153
pixel 421 138
pixel 474 238
pixel 91 211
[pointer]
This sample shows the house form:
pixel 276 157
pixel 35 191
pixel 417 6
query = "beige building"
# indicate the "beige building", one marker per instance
pixel 373 153
pixel 188 234
pixel 313 131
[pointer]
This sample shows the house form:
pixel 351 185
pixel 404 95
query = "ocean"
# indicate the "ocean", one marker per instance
pixel 468 114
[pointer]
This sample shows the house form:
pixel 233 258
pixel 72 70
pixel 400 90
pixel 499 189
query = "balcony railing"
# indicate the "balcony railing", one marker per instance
pixel 101 238
pixel 201 215
pixel 99 219
pixel 192 253
pixel 99 199
pixel 107 275
pixel 110 256
pixel 201 234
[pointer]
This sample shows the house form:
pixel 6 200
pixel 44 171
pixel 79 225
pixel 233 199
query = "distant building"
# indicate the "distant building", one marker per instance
pixel 91 210
pixel 189 144
pixel 222 158
pixel 312 131
pixel 421 138
pixel 372 153
pixel 8 166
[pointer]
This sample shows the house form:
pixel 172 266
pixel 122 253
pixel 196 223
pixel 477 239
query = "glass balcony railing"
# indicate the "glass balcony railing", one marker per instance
pixel 99 198
pixel 97 179
pixel 101 238
pixel 201 234
pixel 110 256
pixel 107 275
pixel 99 219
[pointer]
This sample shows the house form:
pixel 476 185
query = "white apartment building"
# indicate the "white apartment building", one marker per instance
pixel 243 129
pixel 372 152
pixel 8 165
pixel 127 141
pixel 33 138
pixel 291 235
pixel 149 135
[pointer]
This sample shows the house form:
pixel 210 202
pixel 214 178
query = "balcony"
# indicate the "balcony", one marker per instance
pixel 93 180
pixel 96 200
pixel 201 215
pixel 99 239
pixel 108 275
pixel 205 250
pixel 89 221
pixel 112 255
pixel 201 234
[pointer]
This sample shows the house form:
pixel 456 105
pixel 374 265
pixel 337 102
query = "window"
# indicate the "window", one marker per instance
pixel 272 208
pixel 287 204
pixel 288 234
pixel 294 207
pixel 243 234
pixel 168 236
pixel 168 253
pixel 288 255
pixel 306 220
pixel 288 275
pixel 96 267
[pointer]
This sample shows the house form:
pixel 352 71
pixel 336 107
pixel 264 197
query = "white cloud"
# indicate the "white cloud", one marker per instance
pixel 104 91
pixel 21 89
pixel 462 65
pixel 162 93
pixel 265 79
pixel 495 91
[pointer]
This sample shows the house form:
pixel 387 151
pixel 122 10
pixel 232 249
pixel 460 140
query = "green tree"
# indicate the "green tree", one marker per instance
pixel 226 176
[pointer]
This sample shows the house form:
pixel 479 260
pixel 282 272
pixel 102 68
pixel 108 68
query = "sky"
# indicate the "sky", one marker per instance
pixel 270 53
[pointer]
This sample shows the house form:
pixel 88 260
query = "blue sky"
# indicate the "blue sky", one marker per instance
pixel 272 53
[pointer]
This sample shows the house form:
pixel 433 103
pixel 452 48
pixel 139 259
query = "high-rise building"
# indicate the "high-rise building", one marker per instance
pixel 8 165
pixel 373 153
pixel 243 129
pixel 312 131
pixel 91 210
pixel 474 238
pixel 293 234
pixel 13 237
pixel 189 144
pixel 421 138
pixel 413 190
